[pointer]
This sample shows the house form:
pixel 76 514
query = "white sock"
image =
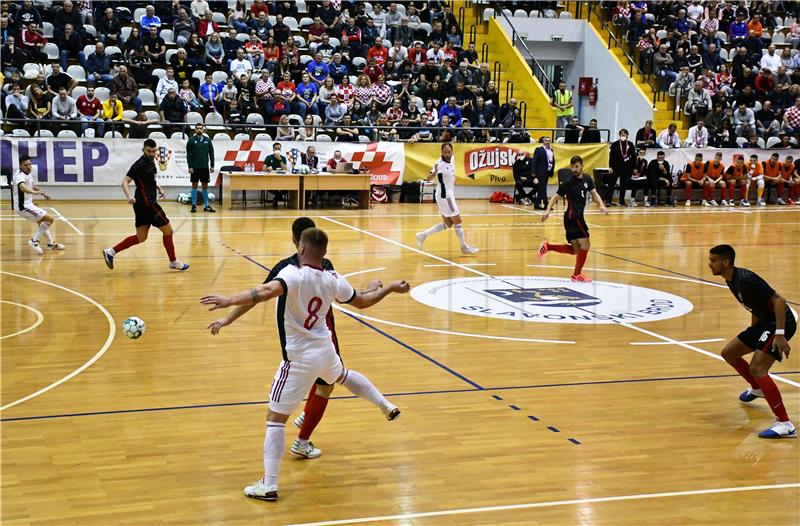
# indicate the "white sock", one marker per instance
pixel 460 233
pixel 43 226
pixel 273 451
pixel 112 251
pixel 49 235
pixel 302 441
pixel 435 228
pixel 359 385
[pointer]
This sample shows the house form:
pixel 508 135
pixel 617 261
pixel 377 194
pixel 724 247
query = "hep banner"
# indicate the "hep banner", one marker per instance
pixel 106 161
pixel 491 164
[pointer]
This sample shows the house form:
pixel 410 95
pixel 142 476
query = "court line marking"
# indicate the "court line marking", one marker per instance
pixel 708 340
pixel 407 393
pixel 542 213
pixel 661 337
pixel 37 312
pixel 112 331
pixel 67 221
pixel 552 503
pixel 465 264
pixel 622 324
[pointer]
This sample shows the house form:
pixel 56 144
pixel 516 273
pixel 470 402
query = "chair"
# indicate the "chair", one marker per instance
pixel 301 6
pixel 301 42
pixel 77 91
pixel 401 8
pixel 43 133
pixel 242 37
pixel 178 135
pixel 126 32
pixel 114 51
pixel 661 34
pixel 156 135
pixel 772 141
pixel 33 67
pixel 779 21
pixel 161 73
pixel 88 49
pixel 47 29
pixel 321 137
pixel 757 106
pixel 138 14
pixel 90 30
pixel 761 143
pixel 788 21
pixel 295 120
pixel 113 135
pixel 535 14
pixel 335 42
pixel 567 15
pixel 363 138
pixel 255 118
pixel 169 53
pixel 215 122
pixel 200 75
pixel 102 93
pixel 194 117
pixel 305 22
pixel 241 137
pixel 305 59
pixel 426 27
pixel 520 13
pixel 560 140
pixel 359 62
pixel 741 141
pixel 778 38
pixel 68 133
pixel 291 22
pixel 51 50
pixel 219 76
pixel 129 114
pixel 263 137
pixel 150 114
pixel 147 96
pixel 20 132
pixel 508 13
pixel 487 14
pixel 221 137
pixel 219 18
pixel 76 72
pixel 168 35
pixel 723 53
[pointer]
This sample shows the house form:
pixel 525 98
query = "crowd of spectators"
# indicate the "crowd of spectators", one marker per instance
pixel 733 67
pixel 396 71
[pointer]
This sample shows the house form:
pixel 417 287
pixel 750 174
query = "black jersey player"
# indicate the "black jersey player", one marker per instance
pixel 772 326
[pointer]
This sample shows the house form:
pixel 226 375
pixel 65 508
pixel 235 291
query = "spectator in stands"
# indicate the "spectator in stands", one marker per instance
pixel 172 109
pixel 25 14
pixel 738 32
pixel 39 104
pixel 241 65
pixel 646 136
pixel 316 30
pixel 378 53
pixel 99 65
pixel 264 90
pixel 346 131
pixel 764 84
pixel 791 118
pixel 281 31
pixel 572 134
pixel 207 27
pixel 284 131
pixel 58 79
pixel 767 122
pixel 744 121
pixel 258 8
pixel 187 94
pixel 12 58
pixel 126 89
pixel 698 136
pixel 669 138
pixel 70 45
pixel 149 20
pixel 290 49
pixel 659 175
pixel 154 46
pixel 239 17
pixel 591 134
pixel 181 67
pixel 562 102
pixel 138 125
pixel 307 95
pixel 200 8
pixel 770 60
pixel 713 120
pixel 164 83
pixel 133 42
pixel 33 42
pixel 183 27
pixel 231 45
pixel 141 67
pixel 209 95
pixel 307 132
pixel 662 65
pixel 279 106
pixel 752 143
pixel 215 54
pixel 91 110
pixel 317 69
pixel 67 15
pixel 698 102
pixel 517 134
pixel 63 107
pixel 16 104
pixel 382 93
pixel 196 52
pixel 109 28
pixel 712 58
pixel 452 110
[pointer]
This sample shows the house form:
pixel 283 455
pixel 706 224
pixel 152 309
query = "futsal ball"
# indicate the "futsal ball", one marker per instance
pixel 133 327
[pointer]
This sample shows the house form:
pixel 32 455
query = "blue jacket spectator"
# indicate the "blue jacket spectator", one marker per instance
pixel 99 64
pixel 318 69
pixel 452 111
pixel 149 19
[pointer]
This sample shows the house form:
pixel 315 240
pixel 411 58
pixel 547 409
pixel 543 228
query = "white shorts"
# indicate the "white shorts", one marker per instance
pixel 32 213
pixel 293 379
pixel 447 206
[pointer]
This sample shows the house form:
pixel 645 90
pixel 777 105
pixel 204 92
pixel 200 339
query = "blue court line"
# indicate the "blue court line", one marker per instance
pixel 553 429
pixel 574 441
pixel 389 336
pixel 533 418
pixel 669 271
pixel 350 397
pixel 497 397
pixel 515 408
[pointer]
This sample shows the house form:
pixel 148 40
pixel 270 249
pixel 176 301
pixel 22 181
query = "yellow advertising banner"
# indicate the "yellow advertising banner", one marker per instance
pixel 491 164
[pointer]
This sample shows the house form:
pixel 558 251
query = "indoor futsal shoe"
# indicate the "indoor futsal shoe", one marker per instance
pixel 466 249
pixel 420 239
pixel 108 257
pixel 779 430
pixel 298 422
pixel 393 414
pixel 35 246
pixel 208 209
pixel 750 395
pixel 544 248
pixel 580 278
pixel 177 265
pixel 306 451
pixel 55 246
pixel 259 490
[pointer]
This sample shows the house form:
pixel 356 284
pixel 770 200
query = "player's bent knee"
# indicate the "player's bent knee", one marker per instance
pixel 272 416
pixel 324 391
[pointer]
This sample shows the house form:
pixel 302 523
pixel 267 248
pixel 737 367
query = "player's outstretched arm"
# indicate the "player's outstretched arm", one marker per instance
pixel 550 204
pixel 597 199
pixel 244 301
pixel 779 343
pixel 363 300
pixel 127 191
pixel 33 191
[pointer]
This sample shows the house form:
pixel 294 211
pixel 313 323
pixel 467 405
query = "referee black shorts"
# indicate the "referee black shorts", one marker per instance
pixel 576 228
pixel 760 336
pixel 200 175
pixel 150 215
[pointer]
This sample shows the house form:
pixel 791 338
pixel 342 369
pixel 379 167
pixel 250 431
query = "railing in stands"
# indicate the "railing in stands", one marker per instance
pixel 253 129
pixel 484 52
pixel 536 69
pixel 613 40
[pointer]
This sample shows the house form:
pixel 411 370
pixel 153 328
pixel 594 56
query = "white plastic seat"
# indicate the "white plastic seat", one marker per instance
pixel 150 114
pixel 138 14
pixel 487 14
pixel 43 133
pixel 47 29
pixel 305 22
pixel 255 118
pixel 291 22
pixel 77 91
pixel 102 93
pixel 565 15
pixel 200 75
pixel 219 18
pixel 263 137
pixel 76 72
pixel 778 38
pixel 219 76
pixel 161 73
pixel 221 137
pixel 67 133
pixel 115 134
pixel 520 13
pixel 90 30
pixel 178 135
pixel 168 35
pixel 772 141
pixel 51 50
pixel 20 132
pixel 323 138
pixel 129 114
pixel 156 135
pixel 147 96
pixel 241 137
pixel 194 117
pixel 169 53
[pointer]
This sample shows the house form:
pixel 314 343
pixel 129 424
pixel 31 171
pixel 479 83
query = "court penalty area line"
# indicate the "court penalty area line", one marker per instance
pixel 112 331
pixel 550 504
pixel 67 221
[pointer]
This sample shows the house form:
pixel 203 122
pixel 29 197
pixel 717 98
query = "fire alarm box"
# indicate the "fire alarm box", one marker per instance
pixel 585 85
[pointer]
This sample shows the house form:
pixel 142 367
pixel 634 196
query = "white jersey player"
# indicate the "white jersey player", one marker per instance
pixel 304 295
pixel 445 173
pixel 23 188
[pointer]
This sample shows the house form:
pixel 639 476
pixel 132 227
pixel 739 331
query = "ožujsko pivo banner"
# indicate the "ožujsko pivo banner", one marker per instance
pixel 491 164
pixel 106 161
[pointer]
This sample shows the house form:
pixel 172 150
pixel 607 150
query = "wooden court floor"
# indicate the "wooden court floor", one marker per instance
pixel 505 421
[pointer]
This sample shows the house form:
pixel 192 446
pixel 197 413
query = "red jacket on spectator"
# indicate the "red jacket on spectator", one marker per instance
pixel 379 53
pixel 255 9
pixel 373 72
pixel 351 35
pixel 202 28
pixel 31 39
pixel 417 55
pixel 764 85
